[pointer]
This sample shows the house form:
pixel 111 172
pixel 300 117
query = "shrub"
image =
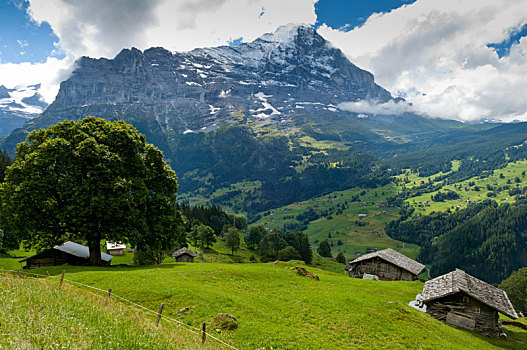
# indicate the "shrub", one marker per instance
pixel 288 253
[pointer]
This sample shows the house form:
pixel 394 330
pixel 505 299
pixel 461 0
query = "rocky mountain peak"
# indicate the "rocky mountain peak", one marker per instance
pixel 291 71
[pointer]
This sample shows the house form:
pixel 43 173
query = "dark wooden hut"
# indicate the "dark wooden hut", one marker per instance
pixel 68 253
pixel 184 255
pixel 461 300
pixel 387 265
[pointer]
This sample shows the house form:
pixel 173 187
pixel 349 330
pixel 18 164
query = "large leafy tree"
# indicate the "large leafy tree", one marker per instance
pixel 91 180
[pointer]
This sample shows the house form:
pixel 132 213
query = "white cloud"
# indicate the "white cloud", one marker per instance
pixel 49 74
pixel 101 28
pixel 372 107
pixel 434 53
pixel 203 23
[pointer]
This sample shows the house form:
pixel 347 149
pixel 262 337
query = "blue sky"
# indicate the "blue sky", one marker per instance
pixel 21 39
pixel 463 60
pixel 349 14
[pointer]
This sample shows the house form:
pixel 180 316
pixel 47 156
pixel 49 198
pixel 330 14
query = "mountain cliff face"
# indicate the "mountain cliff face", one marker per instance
pixel 267 81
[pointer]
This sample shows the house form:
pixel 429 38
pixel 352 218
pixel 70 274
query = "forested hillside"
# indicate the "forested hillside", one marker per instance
pixel 486 240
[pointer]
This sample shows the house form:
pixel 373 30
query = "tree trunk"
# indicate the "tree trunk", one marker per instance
pixel 95 252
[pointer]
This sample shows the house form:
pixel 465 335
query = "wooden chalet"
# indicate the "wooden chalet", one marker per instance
pixel 184 255
pixel 68 253
pixel 387 265
pixel 461 300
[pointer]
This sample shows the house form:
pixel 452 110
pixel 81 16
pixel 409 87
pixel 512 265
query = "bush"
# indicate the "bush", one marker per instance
pixel 143 258
pixel 324 249
pixel 288 253
pixel 341 259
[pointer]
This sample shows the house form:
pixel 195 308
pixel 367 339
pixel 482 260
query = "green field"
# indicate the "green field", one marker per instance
pixel 276 308
pixel 343 229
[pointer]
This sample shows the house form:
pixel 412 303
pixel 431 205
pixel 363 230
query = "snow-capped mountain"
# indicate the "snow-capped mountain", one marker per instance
pixel 18 106
pixel 270 80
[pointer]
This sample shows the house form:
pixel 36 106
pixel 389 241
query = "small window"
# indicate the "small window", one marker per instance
pixel 466 299
pixel 477 309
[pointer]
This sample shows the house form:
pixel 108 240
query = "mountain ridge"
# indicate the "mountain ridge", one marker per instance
pixel 197 90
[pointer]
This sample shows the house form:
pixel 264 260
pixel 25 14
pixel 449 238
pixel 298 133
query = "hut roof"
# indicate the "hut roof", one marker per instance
pixel 395 258
pixel 74 249
pixel 115 245
pixel 460 281
pixel 183 251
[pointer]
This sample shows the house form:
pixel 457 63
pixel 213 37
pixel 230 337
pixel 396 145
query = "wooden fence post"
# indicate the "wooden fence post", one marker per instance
pixel 203 332
pixel 108 296
pixel 62 279
pixel 159 314
pixel 20 272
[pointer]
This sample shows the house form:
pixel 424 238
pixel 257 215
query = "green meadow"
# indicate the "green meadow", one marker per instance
pixel 275 307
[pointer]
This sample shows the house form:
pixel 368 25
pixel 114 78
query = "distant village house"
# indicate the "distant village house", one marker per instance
pixel 68 253
pixel 184 255
pixel 461 300
pixel 387 265
pixel 115 248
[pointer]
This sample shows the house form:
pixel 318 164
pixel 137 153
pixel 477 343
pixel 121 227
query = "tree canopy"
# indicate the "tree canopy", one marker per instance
pixel 232 239
pixel 255 235
pixel 89 180
pixel 324 249
pixel 516 288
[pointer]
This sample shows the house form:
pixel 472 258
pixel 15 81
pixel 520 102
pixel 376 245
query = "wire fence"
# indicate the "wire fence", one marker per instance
pixel 185 326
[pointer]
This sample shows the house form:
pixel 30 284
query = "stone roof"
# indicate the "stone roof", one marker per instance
pixel 183 251
pixel 75 249
pixel 460 281
pixel 395 258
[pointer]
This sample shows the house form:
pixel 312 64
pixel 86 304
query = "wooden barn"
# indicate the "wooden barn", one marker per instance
pixel 387 265
pixel 68 253
pixel 184 255
pixel 461 300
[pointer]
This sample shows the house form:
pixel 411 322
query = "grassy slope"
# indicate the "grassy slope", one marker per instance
pixel 342 227
pixel 510 172
pixel 279 309
pixel 35 315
